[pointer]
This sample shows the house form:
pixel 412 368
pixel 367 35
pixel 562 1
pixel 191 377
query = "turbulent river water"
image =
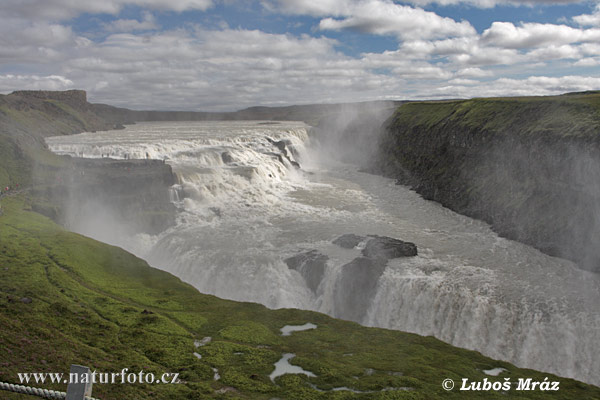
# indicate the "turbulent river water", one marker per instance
pixel 244 207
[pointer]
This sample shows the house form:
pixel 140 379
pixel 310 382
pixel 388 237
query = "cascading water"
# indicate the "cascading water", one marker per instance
pixel 244 207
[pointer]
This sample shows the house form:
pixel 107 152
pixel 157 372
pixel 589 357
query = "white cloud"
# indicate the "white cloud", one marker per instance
pixel 379 17
pixel 553 52
pixel 528 35
pixel 37 42
pixel 131 25
pixel 58 10
pixel 531 86
pixel 589 19
pixel 473 72
pixel 587 62
pixel 319 8
pixel 9 83
pixel 493 3
pixel 191 67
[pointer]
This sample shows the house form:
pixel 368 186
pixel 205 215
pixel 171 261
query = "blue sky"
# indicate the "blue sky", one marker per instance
pixel 231 54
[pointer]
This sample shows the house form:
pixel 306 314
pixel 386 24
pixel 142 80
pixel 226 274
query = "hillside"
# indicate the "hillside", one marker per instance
pixel 527 166
pixel 26 118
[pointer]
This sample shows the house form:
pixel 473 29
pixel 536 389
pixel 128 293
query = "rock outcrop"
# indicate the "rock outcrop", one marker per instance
pixel 311 265
pixel 387 248
pixel 348 240
pixel 357 283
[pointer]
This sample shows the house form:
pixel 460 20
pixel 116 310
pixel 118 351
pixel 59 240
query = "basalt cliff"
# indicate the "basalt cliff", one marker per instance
pixel 528 166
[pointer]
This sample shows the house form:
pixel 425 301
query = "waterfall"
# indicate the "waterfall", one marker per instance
pixel 250 195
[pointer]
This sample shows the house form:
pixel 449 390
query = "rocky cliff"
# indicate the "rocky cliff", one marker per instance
pixel 135 192
pixel 527 166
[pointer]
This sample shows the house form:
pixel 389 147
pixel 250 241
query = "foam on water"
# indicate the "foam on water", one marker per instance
pixel 244 208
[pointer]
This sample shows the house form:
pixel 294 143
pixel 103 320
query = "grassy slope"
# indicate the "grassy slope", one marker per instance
pixel 567 115
pixel 23 125
pixel 87 306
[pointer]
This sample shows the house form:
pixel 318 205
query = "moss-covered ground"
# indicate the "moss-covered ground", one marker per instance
pixel 99 306
pixel 560 116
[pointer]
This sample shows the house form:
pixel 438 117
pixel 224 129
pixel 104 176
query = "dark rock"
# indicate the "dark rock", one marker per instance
pixel 280 144
pixel 147 312
pixel 276 156
pixel 356 287
pixel 226 157
pixel 26 300
pixel 311 265
pixel 348 241
pixel 386 248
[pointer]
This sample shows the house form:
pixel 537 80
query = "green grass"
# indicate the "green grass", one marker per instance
pixel 97 305
pixel 572 115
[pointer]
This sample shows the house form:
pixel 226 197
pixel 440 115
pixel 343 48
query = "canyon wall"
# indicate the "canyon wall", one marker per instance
pixel 527 166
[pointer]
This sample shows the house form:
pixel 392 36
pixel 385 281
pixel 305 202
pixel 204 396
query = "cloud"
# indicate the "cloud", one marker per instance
pixel 587 62
pixel 60 10
pixel 528 35
pixel 383 18
pixel 131 25
pixel 589 19
pixel 137 64
pixel 222 69
pixel 533 85
pixel 37 42
pixel 553 52
pixel 378 17
pixel 319 8
pixel 9 83
pixel 473 72
pixel 315 8
pixel 494 3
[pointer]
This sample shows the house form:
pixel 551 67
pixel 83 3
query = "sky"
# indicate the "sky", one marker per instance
pixel 224 55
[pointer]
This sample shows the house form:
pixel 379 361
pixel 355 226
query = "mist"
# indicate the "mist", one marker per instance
pixel 545 194
pixel 352 134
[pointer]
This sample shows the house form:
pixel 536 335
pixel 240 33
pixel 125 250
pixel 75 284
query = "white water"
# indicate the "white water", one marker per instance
pixel 289 329
pixel 283 367
pixel 239 220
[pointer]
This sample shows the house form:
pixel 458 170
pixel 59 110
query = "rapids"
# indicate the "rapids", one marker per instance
pixel 244 207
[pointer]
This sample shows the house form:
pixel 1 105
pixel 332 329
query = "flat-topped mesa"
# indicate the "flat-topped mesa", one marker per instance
pixel 63 95
pixel 71 97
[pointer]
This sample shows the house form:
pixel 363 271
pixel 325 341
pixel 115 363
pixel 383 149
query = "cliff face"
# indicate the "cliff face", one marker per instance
pixel 527 166
pixel 105 195
pixel 133 193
